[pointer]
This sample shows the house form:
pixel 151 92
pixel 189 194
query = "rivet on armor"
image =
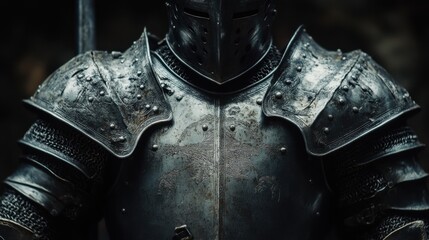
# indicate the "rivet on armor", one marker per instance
pixel 307 45
pixel 155 147
pixel 80 76
pixel 139 96
pixel 259 101
pixel 139 73
pixel 116 54
pixel 136 60
pixel 122 60
pixel 123 210
pixel 205 127
pixel 102 93
pixel 288 82
pixel 135 42
pixel 141 86
pixel 341 101
pixel 155 109
pixel 345 88
pixel 405 96
pixel 147 106
pixel 326 130
pixel 283 149
pixel 122 139
pixel 354 77
pixel 232 127
pixel 360 68
pixel 330 117
pixel 343 58
pixel 90 99
pixel 355 109
pixel 88 79
pixel 179 97
pixel 170 92
pixel 279 95
pixel 112 126
pixel 299 69
pixel 310 180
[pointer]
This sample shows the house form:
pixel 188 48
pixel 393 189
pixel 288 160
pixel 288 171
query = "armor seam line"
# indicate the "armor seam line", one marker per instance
pixel 54 153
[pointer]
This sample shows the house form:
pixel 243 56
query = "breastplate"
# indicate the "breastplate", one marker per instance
pixel 221 168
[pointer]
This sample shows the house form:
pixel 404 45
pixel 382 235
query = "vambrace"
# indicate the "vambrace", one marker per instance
pixel 380 186
pixel 62 175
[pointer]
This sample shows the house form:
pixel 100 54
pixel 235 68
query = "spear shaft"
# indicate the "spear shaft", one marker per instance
pixel 86 26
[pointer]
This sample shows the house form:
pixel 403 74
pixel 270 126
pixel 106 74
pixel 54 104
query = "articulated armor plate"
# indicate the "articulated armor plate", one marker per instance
pixel 111 98
pixel 334 98
pixel 13 231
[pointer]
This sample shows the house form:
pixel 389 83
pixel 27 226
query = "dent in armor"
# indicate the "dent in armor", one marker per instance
pixel 204 173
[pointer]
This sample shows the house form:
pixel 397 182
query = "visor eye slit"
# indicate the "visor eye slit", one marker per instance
pixel 196 13
pixel 245 14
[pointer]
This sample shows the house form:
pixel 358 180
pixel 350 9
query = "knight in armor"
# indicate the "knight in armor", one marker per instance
pixel 214 133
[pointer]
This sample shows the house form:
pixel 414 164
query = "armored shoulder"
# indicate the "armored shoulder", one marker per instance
pixel 110 97
pixel 334 98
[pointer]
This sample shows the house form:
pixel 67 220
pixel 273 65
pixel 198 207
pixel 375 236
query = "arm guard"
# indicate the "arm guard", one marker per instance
pixel 380 186
pixel 58 184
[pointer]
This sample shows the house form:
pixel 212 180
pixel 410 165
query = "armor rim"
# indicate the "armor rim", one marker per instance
pixel 272 72
pixel 212 80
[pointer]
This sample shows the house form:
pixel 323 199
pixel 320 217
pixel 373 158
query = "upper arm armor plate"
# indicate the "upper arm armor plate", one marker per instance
pixel 334 98
pixel 112 98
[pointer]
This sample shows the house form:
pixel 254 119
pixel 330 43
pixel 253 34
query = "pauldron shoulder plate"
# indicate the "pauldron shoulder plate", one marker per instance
pixel 333 97
pixel 111 98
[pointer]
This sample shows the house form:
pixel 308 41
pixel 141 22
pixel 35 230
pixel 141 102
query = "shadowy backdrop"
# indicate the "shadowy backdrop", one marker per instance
pixel 39 36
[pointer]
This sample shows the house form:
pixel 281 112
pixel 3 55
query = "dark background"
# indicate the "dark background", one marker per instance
pixel 39 36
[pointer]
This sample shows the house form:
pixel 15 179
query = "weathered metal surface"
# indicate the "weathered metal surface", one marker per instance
pixel 333 97
pixel 111 98
pixel 221 168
